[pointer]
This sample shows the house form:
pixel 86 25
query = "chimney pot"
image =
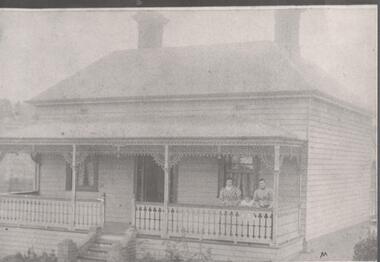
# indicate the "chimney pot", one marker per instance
pixel 150 29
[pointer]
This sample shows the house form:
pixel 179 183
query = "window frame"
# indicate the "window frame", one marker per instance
pixel 84 188
pixel 226 171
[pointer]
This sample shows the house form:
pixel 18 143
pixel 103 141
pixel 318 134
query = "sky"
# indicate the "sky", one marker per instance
pixel 38 48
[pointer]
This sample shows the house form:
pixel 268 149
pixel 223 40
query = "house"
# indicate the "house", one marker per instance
pixel 147 137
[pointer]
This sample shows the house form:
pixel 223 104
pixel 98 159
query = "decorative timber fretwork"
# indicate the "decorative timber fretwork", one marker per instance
pixel 160 159
pixel 36 157
pixel 252 151
pixel 139 149
pixel 13 149
pixel 195 150
pixel 176 152
pixel 267 160
pixel 80 158
pixel 290 152
pixel 264 153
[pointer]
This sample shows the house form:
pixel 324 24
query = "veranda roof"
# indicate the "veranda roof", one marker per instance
pixel 147 128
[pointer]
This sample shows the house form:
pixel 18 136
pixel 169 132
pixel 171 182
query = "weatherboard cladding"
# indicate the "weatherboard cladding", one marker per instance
pixel 339 161
pixel 151 127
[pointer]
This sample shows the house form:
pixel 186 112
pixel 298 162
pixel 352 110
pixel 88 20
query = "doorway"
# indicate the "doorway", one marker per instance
pixel 150 181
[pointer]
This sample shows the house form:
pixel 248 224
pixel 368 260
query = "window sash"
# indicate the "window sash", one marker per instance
pixel 83 171
pixel 243 176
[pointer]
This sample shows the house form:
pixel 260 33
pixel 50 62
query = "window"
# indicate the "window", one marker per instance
pixel 243 170
pixel 242 163
pixel 18 173
pixel 87 175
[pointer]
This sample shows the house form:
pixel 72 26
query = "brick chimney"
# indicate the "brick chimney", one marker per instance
pixel 150 29
pixel 287 27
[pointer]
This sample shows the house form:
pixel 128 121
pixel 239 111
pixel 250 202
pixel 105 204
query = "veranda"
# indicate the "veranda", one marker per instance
pixel 158 213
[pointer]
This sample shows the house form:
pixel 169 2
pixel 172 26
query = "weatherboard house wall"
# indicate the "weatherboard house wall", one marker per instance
pixel 338 175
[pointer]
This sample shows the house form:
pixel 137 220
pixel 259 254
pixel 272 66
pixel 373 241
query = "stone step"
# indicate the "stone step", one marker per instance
pixel 97 253
pixel 111 238
pixel 88 258
pixel 102 243
pixel 98 250
pixel 102 249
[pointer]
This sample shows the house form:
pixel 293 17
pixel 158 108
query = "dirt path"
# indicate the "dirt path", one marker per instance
pixel 336 247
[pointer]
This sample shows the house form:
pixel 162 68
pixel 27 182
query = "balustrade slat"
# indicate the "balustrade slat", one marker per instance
pixel 11 211
pixel 91 214
pixel 15 213
pixel 19 211
pixel 97 215
pixel 82 213
pixel 23 220
pixel 33 211
pixel 255 227
pixel 85 218
pixel 50 213
pixel 62 212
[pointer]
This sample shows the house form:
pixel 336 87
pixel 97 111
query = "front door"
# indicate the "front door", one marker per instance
pixel 150 180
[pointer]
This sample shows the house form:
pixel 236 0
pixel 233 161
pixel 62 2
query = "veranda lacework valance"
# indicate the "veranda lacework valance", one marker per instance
pixel 36 157
pixel 178 152
pixel 79 158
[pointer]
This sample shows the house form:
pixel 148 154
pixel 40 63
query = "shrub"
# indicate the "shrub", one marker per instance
pixel 125 250
pixel 118 253
pixel 31 256
pixel 13 258
pixel 179 251
pixel 366 249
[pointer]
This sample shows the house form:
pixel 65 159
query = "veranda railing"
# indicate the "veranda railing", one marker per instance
pixel 27 210
pixel 205 222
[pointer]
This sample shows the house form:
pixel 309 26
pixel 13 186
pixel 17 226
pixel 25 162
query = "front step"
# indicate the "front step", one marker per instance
pixel 87 258
pixel 98 248
pixel 98 251
pixel 110 238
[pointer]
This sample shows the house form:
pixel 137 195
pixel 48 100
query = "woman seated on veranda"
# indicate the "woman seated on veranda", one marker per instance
pixel 230 195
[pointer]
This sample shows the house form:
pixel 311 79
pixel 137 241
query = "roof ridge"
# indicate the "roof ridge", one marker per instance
pixel 184 71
